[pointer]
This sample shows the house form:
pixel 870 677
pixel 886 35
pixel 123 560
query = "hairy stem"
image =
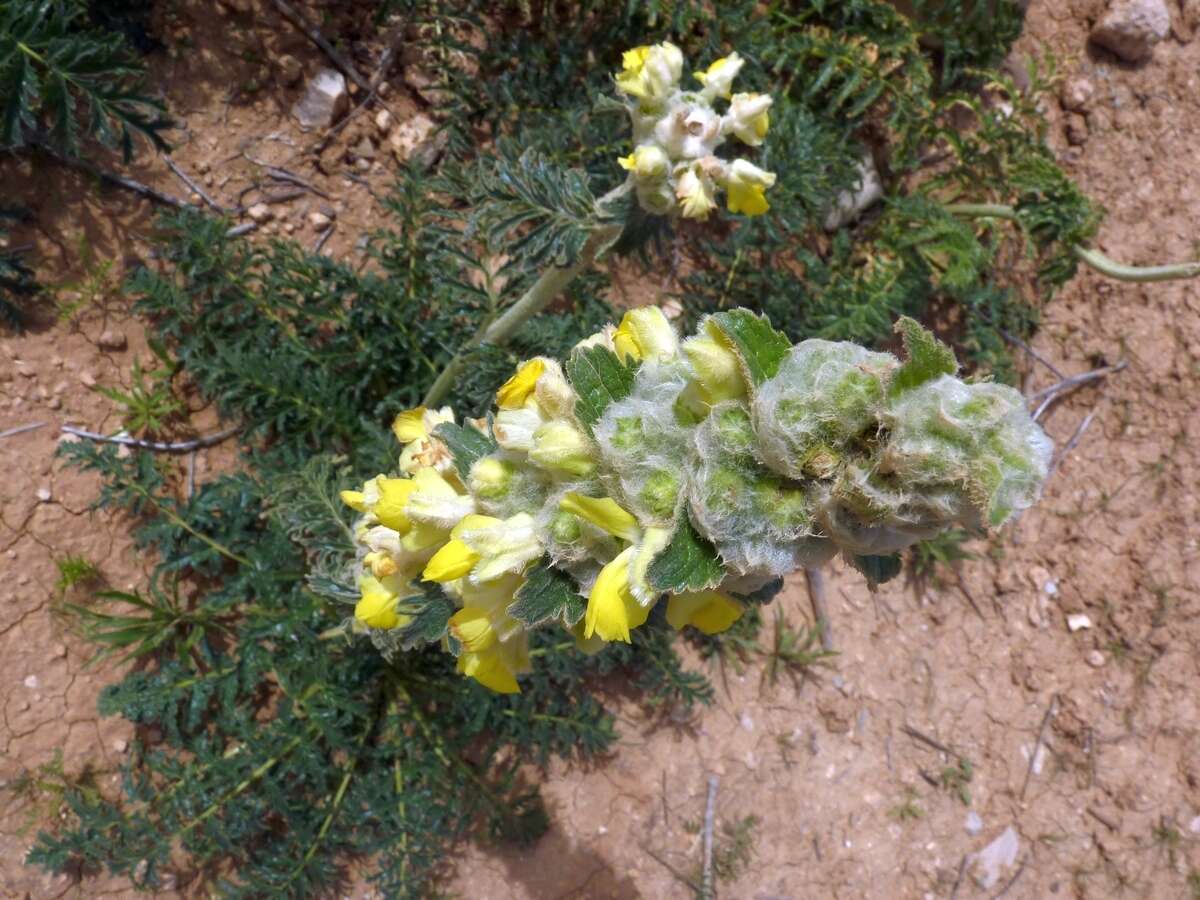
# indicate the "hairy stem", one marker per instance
pixel 1093 258
pixel 548 286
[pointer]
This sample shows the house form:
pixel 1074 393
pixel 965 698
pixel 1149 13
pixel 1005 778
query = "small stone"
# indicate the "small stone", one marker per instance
pixel 415 140
pixel 24 371
pixel 87 379
pixel 54 403
pixel 319 221
pixel 1095 659
pixel 852 203
pixel 974 824
pixel 745 721
pixel 1077 93
pixel 289 227
pixel 1077 130
pixel 120 745
pixel 56 361
pixel 1131 28
pixel 44 495
pixel 383 121
pixel 290 70
pixel 1078 621
pixel 112 340
pixel 325 100
pixel 1194 827
pixel 260 213
pixel 61 387
pixel 31 682
pixel 364 149
pixel 60 650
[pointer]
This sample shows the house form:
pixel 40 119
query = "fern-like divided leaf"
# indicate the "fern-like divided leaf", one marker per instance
pixel 62 80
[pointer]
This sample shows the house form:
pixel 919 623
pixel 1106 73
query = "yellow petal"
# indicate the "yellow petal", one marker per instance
pixel 628 163
pixel 453 561
pixel 393 497
pixel 710 611
pixel 356 500
pixel 488 669
pixel 409 425
pixel 514 392
pixel 603 512
pixel 749 199
pixel 377 606
pixel 612 610
pixel 422 537
pixel 472 626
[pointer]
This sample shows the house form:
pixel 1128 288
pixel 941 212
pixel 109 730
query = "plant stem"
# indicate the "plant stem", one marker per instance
pixel 1093 258
pixel 548 286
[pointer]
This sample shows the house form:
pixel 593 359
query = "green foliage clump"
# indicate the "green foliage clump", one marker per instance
pixel 62 80
pixel 17 284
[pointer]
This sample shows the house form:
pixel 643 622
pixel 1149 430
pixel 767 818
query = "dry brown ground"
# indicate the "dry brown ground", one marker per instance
pixel 839 791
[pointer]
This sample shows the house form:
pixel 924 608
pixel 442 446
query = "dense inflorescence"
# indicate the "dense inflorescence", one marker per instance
pixel 674 168
pixel 699 470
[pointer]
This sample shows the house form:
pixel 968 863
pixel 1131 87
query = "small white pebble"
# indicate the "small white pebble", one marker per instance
pixel 1050 587
pixel 745 721
pixel 602 830
pixel 43 495
pixel 1077 621
pixel 120 745
pixel 31 682
pixel 1095 659
pixel 1195 825
pixel 974 824
pixel 60 650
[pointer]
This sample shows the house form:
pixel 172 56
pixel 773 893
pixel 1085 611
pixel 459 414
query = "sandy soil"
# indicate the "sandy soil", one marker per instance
pixel 845 802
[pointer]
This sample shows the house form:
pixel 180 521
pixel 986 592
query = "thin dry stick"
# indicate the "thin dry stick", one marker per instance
pixel 323 238
pixel 707 891
pixel 1038 746
pixel 173 447
pixel 281 174
pixel 1061 388
pixel 816 595
pixel 239 230
pixel 1071 444
pixel 927 740
pixel 191 183
pixel 21 429
pixel 310 32
pixel 129 184
pixel 1008 887
pixel 962 868
pixel 1102 819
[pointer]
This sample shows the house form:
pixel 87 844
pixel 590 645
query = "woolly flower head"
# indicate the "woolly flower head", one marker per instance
pixel 674 165
pixel 693 473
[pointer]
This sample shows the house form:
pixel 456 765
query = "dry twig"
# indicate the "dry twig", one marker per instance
pixel 195 187
pixel 113 178
pixel 1060 389
pixel 707 891
pixel 324 236
pixel 21 429
pixel 165 447
pixel 1050 710
pixel 1070 444
pixel 293 15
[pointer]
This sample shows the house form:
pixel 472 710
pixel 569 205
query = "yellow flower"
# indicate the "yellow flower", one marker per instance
pixel 745 185
pixel 717 370
pixel 612 610
pixel 393 497
pixel 356 500
pixel 604 513
pixel 650 73
pixel 654 541
pixel 435 501
pixel 453 561
pixel 749 117
pixel 718 78
pixel 496 666
pixel 710 611
pixel 695 193
pixel 409 425
pixel 647 161
pixel 377 606
pixel 645 333
pixel 514 392
pixel 472 626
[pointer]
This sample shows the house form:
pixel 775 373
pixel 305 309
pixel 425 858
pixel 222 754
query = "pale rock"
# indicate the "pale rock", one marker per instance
pixel 1194 827
pixel 87 379
pixel 25 371
pixel 990 862
pixel 260 213
pixel 319 221
pixel 1077 130
pixel 415 139
pixel 290 70
pixel 1131 28
pixel 54 403
pixel 974 824
pixel 745 721
pixel 383 121
pixel 1077 93
pixel 44 495
pixel 325 100
pixel 31 682
pixel 120 745
pixel 852 203
pixel 112 340
pixel 364 149
pixel 60 650
pixel 1095 659
pixel 1078 621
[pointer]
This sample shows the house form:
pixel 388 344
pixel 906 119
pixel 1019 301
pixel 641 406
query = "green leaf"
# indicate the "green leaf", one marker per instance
pixel 547 594
pixel 878 569
pixel 430 613
pixel 762 349
pixel 468 445
pixel 689 562
pixel 599 378
pixel 927 356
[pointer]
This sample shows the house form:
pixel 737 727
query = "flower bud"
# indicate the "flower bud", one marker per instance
pixel 647 162
pixel 695 194
pixel 748 118
pixel 562 447
pixel 491 478
pixel 718 371
pixel 745 184
pixel 718 78
pixel 645 333
pixel 650 73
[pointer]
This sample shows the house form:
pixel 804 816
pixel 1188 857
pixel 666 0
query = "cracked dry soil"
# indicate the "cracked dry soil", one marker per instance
pixel 1102 793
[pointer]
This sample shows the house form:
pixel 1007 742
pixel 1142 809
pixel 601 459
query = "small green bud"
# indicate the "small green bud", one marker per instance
pixel 630 434
pixel 660 493
pixel 491 478
pixel 562 447
pixel 566 527
pixel 734 430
